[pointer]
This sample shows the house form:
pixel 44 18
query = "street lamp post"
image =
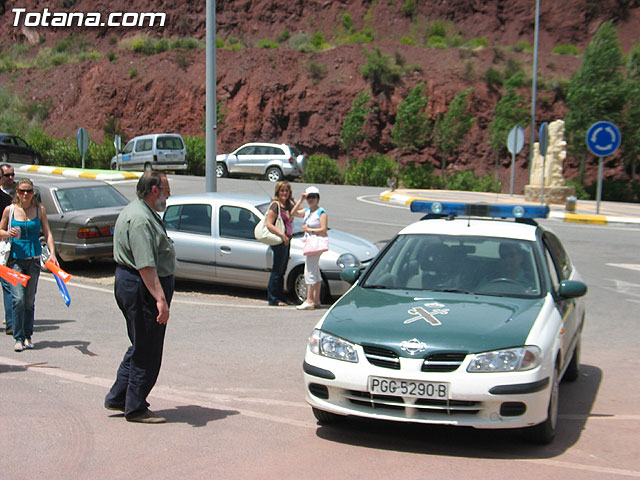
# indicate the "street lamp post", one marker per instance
pixel 534 87
pixel 210 87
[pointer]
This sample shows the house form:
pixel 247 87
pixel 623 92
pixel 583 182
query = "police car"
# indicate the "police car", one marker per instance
pixel 469 317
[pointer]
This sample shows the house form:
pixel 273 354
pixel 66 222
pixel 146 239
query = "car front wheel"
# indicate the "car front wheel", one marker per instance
pixel 221 170
pixel 544 432
pixel 325 418
pixel 274 174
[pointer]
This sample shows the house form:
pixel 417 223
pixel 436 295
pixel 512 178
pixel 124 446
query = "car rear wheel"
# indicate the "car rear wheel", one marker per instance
pixel 544 432
pixel 326 418
pixel 114 166
pixel 298 287
pixel 274 174
pixel 221 170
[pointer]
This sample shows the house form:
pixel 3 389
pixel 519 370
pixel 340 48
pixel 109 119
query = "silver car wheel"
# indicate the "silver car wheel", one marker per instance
pixel 300 286
pixel 44 256
pixel 221 170
pixel 274 174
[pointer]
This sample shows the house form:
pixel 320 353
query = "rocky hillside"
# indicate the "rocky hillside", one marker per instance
pixel 285 95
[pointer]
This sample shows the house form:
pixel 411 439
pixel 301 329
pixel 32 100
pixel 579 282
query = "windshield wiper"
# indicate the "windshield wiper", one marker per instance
pixel 381 287
pixel 451 290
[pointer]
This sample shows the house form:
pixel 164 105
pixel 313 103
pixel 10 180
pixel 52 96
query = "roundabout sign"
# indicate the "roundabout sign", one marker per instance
pixel 603 138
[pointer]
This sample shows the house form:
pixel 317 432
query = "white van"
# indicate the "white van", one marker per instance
pixel 158 151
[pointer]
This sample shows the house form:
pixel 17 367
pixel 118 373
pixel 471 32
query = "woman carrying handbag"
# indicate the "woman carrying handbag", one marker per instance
pixel 316 242
pixel 284 206
pixel 29 217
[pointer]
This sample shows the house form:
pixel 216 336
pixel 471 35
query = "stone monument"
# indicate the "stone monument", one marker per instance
pixel 555 190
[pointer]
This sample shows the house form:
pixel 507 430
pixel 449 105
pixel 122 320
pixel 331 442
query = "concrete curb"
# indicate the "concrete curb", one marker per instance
pixel 403 199
pixel 80 173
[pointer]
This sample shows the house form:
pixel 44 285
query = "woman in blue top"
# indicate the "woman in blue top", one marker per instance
pixel 315 223
pixel 29 218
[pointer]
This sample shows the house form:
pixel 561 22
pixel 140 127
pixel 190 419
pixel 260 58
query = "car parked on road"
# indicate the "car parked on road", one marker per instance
pixel 158 151
pixel 274 161
pixel 14 149
pixel 213 235
pixel 461 320
pixel 82 215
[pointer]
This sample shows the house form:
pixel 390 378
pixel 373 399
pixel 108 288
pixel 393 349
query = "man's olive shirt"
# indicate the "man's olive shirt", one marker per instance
pixel 140 240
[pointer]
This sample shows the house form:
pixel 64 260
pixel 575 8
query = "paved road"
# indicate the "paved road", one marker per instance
pixel 231 383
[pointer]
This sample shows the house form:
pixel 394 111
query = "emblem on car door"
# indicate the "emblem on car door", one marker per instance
pixel 422 313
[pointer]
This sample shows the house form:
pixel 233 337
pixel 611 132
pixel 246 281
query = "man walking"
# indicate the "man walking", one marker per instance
pixel 7 191
pixel 144 285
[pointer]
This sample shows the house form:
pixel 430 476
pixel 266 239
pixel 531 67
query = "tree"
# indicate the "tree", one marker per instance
pixel 451 128
pixel 411 129
pixel 630 123
pixel 379 71
pixel 511 110
pixel 352 132
pixel 596 92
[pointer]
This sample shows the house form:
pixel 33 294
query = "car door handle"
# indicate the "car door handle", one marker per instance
pixel 225 249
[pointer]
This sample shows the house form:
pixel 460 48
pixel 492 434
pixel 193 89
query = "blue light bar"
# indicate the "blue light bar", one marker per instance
pixel 479 209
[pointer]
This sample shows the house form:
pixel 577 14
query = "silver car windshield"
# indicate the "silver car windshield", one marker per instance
pixel 86 198
pixel 464 264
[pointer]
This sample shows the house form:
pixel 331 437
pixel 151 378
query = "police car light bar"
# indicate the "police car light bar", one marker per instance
pixel 479 209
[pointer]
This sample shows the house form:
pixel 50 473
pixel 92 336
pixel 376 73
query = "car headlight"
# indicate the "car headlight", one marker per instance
pixel 347 260
pixel 322 343
pixel 509 360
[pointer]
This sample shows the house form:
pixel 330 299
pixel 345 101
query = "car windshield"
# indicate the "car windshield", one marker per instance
pixel 463 264
pixel 85 198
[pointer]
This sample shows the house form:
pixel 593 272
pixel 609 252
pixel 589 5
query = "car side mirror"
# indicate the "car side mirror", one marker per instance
pixel 572 289
pixel 350 274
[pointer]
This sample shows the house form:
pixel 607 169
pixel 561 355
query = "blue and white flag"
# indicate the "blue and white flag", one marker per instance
pixel 63 290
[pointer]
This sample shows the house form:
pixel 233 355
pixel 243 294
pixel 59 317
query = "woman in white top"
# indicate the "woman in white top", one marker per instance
pixel 315 223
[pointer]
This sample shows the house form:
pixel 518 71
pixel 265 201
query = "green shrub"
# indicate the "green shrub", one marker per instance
pixel 188 43
pixel 317 71
pixel 436 41
pixel 284 36
pixel 373 170
pixel 322 169
pixel 196 155
pixel 407 41
pixel 493 78
pixel 522 46
pixel 566 50
pixel 437 29
pixel 358 38
pixel 414 175
pixel 467 180
pixel 301 42
pixel 480 42
pixel 408 9
pixel 133 73
pixel 220 43
pixel 347 23
pixel 267 43
pixel 318 41
pixel 616 190
pixel 112 57
pixel 580 190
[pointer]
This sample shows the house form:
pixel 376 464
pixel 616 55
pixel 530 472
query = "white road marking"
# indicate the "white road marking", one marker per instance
pixel 204 399
pixel 243 303
pixel 629 266
pixel 586 468
pixel 363 199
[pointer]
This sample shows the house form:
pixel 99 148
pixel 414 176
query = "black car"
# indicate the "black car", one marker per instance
pixel 14 149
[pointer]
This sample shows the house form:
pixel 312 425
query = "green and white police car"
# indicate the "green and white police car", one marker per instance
pixel 469 317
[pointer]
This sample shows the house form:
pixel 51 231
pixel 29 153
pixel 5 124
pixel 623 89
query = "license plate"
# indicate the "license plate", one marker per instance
pixel 408 388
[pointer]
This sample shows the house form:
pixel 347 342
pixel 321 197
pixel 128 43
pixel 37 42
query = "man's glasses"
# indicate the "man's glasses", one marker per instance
pixel 9 174
pixel 25 191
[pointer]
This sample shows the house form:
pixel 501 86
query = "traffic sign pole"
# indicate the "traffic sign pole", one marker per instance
pixel 543 143
pixel 515 142
pixel 599 192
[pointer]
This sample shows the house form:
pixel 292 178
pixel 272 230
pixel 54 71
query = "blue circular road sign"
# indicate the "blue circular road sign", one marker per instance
pixel 603 138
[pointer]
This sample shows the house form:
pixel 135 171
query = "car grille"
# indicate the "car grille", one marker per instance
pixel 443 362
pixel 382 357
pixel 422 405
pixel 436 362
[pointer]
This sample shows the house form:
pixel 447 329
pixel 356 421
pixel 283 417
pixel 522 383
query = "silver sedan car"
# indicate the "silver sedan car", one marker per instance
pixel 81 214
pixel 214 242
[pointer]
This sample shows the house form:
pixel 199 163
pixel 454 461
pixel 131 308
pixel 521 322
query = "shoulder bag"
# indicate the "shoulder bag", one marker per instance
pixel 263 234
pixel 5 245
pixel 315 244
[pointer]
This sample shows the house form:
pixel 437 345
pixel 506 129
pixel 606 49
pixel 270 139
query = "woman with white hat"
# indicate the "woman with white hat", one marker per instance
pixel 315 225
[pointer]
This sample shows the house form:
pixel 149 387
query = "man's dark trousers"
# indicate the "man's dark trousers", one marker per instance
pixel 140 366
